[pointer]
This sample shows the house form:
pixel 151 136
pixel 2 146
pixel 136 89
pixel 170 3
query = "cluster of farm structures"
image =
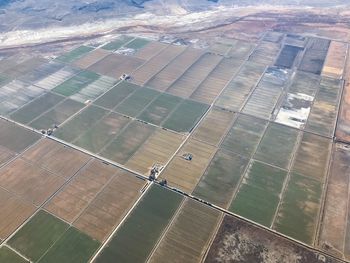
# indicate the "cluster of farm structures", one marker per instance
pixel 146 151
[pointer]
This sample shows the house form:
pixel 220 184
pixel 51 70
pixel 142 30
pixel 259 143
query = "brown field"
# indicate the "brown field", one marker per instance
pixel 184 174
pixel 334 65
pixel 311 158
pixel 217 80
pixel 194 76
pixel 175 69
pixel 110 206
pixel 115 65
pixel 91 58
pixel 75 197
pixel 24 67
pixel 335 226
pixel 156 64
pixel 151 49
pixel 189 235
pixel 214 126
pixel 15 138
pixel 56 157
pixel 14 212
pixel 265 53
pixel 29 181
pixel 157 149
pixel 343 125
pixel 5 155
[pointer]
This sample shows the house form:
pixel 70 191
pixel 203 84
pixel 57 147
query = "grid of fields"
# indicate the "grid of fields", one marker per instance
pixel 252 128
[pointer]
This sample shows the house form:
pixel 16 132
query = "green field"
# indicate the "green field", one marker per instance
pixel 128 142
pixel 36 107
pixel 137 43
pixel 220 180
pixel 16 138
pixel 38 235
pixel 298 213
pixel 8 256
pixel 73 247
pixel 277 145
pixel 117 94
pixel 160 108
pixel 134 104
pixel 57 115
pixel 76 83
pixel 74 54
pixel 259 193
pixel 138 235
pixel 186 116
pixel 101 133
pixel 244 135
pixel 80 123
pixel 118 43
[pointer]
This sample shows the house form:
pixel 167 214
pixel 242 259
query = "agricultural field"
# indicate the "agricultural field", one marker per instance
pixel 185 117
pixel 25 67
pixel 35 108
pixel 16 94
pixel 115 65
pixel 194 76
pixel 219 182
pixel 189 234
pixel 14 138
pixel 265 53
pixel 297 215
pixel 288 56
pixel 74 54
pixel 56 115
pixel 335 61
pixel 150 50
pixel 261 103
pixel 324 112
pixel 14 211
pixel 116 95
pixel 335 227
pixel 7 255
pixel 244 135
pixel 312 156
pixel 238 89
pixel 175 69
pixel 216 81
pixel 343 122
pixel 236 129
pixel 91 58
pixel 143 227
pixel 158 149
pixel 277 146
pixel 155 64
pixel 57 78
pixel 214 126
pixel 315 55
pixel 76 83
pixel 258 195
pixel 117 43
pixel 42 71
pixel 185 174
